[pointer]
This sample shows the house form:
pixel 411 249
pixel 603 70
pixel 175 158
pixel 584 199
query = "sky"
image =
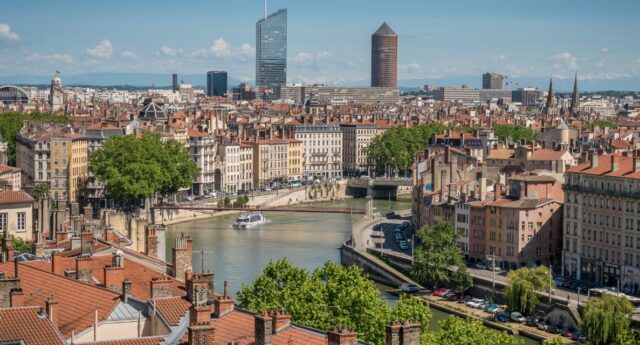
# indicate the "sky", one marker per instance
pixel 329 41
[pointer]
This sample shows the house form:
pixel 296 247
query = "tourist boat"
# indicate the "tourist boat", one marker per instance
pixel 249 219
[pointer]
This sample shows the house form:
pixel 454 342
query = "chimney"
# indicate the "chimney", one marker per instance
pixel 75 242
pixel 161 287
pixel 84 269
pixel 223 304
pixel 614 163
pixel 152 242
pixel 87 211
pixel 341 336
pixel 17 298
pixel 182 256
pixel 497 191
pixel 52 309
pixel 56 264
pixel 263 331
pixel 410 333
pixel 126 290
pixel 483 188
pixel 392 333
pixel 199 287
pixel 201 334
pixel 592 155
pixel 61 236
pixel 200 314
pixel 281 319
pixel 447 154
pixel 114 274
pixel 86 239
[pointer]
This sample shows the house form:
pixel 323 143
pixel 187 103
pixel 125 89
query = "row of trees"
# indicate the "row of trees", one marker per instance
pixel 11 123
pixel 516 133
pixel 333 295
pixel 396 149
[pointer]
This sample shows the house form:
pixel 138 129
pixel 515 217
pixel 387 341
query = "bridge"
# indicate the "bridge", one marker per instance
pixel 377 187
pixel 261 209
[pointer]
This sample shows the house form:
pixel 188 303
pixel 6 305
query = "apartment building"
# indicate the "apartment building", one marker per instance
pixel 462 220
pixel 246 167
pixel 602 221
pixel 33 158
pixel 356 138
pixel 229 178
pixel 270 160
pixel 294 156
pixel 16 214
pixel 10 178
pixel 69 165
pixel 322 148
pixel 203 149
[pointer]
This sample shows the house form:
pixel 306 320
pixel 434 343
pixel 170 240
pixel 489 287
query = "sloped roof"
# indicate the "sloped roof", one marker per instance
pixel 12 197
pixel 29 325
pixel 384 30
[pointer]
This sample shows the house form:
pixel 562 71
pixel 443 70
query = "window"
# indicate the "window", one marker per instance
pixel 22 220
pixel 3 221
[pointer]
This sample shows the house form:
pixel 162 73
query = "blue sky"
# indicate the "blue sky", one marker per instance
pixel 329 40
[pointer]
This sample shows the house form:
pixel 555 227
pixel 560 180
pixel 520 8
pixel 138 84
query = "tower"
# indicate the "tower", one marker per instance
pixel 216 83
pixel 575 97
pixel 550 110
pixel 384 57
pixel 56 96
pixel 271 50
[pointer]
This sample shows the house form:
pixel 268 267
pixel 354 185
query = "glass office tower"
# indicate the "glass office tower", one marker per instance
pixel 271 50
pixel 216 83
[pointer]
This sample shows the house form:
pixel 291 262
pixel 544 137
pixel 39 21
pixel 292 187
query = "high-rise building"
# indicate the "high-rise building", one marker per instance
pixel 175 82
pixel 384 57
pixel 216 83
pixel 492 81
pixel 271 50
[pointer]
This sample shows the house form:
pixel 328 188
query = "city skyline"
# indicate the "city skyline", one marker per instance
pixel 546 42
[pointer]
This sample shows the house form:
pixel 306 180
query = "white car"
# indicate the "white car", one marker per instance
pixel 475 302
pixel 517 317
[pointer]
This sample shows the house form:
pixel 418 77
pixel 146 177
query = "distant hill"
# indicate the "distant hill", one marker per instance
pixel 199 80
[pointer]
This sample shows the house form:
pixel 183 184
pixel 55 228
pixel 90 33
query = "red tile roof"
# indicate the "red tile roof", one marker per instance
pixel 6 168
pixel 546 155
pixel 28 325
pixel 172 308
pixel 12 197
pixel 77 302
pixel 136 341
pixel 604 167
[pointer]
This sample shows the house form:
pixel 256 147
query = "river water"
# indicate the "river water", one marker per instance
pixel 306 239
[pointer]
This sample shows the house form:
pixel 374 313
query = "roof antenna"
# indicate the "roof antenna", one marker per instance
pixel 265 9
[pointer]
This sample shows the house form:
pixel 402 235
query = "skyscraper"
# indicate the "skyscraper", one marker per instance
pixel 271 50
pixel 384 57
pixel 216 83
pixel 174 85
pixel 492 81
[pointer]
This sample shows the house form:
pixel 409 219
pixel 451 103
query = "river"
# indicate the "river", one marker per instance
pixel 306 239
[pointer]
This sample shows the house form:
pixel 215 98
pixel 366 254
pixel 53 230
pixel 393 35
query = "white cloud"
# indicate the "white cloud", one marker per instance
pixel 500 57
pixel 103 50
pixel 565 61
pixel 129 55
pixel 307 58
pixel 53 58
pixel 247 50
pixel 166 51
pixel 6 33
pixel 604 50
pixel 600 64
pixel 220 48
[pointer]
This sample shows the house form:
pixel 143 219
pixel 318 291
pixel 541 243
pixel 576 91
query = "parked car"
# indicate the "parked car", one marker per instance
pixel 483 305
pixel 517 317
pixel 578 336
pixel 494 268
pixel 481 266
pixel 543 326
pixel 409 288
pixel 440 291
pixel 533 321
pixel 448 294
pixel 455 297
pixel 502 317
pixel 465 299
pixel 492 308
pixel 475 302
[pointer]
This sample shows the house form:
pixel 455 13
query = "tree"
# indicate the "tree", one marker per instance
pixel 516 133
pixel 20 245
pixel 555 341
pixel 436 256
pixel 135 168
pixel 523 285
pixel 606 319
pixel 40 189
pixel 411 308
pixel 329 296
pixel 458 331
pixel 11 124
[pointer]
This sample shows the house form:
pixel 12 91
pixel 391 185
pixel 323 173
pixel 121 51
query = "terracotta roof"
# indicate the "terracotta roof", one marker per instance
pixel 172 308
pixel 546 155
pixel 135 341
pixel 77 302
pixel 12 197
pixel 6 168
pixel 500 154
pixel 621 144
pixel 624 169
pixel 28 325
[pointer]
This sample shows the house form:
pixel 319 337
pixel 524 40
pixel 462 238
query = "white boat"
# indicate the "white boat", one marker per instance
pixel 249 219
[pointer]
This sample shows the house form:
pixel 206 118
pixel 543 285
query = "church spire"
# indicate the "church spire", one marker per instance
pixel 574 96
pixel 550 109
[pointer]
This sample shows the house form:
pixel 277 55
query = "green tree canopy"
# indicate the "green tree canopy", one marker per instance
pixel 516 133
pixel 135 168
pixel 436 256
pixel 606 320
pixel 329 296
pixel 11 123
pixel 458 331
pixel 522 286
